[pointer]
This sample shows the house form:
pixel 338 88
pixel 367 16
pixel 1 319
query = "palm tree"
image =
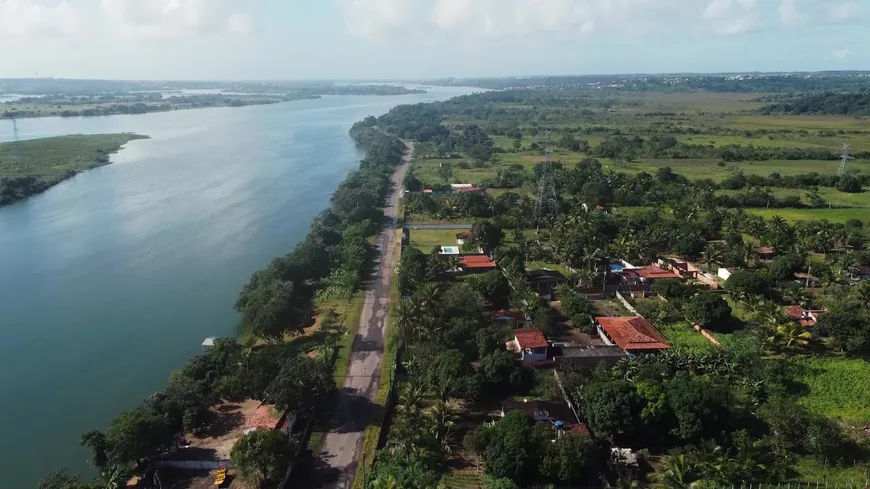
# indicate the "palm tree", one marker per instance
pixel 388 482
pixel 115 477
pixel 442 428
pixel 862 291
pixel 677 472
pixel 795 295
pixel 406 318
pixel 713 255
pixel 410 402
pixel 787 333
pixel 627 367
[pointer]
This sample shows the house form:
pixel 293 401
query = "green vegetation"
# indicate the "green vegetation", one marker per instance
pixel 836 387
pixel 32 166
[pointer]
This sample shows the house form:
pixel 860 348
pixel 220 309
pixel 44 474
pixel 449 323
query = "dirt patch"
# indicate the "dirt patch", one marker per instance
pixel 231 418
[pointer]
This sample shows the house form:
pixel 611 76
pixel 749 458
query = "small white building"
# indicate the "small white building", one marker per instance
pixel 725 273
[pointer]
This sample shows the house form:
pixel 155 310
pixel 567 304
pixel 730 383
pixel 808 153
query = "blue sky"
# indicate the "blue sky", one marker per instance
pixel 370 39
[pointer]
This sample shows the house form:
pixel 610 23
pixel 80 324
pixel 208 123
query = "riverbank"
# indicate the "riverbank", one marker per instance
pixel 33 166
pixel 33 107
pixel 123 103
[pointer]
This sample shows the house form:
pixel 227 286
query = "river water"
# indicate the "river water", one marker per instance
pixel 112 279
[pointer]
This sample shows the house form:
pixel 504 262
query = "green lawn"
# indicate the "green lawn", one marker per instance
pixel 427 170
pixel 681 335
pixel 833 215
pixel 535 265
pixel 837 386
pixel 427 239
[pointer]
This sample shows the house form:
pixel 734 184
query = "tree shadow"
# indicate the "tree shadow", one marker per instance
pixel 225 422
pixel 354 412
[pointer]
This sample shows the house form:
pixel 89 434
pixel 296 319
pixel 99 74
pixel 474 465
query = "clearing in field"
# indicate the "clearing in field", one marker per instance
pixel 832 215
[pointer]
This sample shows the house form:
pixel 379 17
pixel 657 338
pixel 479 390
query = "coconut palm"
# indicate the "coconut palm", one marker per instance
pixel 442 429
pixel 388 482
pixel 862 291
pixel 677 472
pixel 627 367
pixel 795 295
pixel 713 255
pixel 406 318
pixel 788 334
pixel 410 402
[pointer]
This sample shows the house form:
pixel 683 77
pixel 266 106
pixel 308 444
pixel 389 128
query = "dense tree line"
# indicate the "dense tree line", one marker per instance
pixel 755 83
pixel 857 104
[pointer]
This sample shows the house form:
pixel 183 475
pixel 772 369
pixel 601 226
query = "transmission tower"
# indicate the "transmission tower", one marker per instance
pixel 548 151
pixel 547 205
pixel 844 160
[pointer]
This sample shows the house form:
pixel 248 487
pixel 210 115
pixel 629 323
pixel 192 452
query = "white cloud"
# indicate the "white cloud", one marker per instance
pixel 789 14
pixel 496 19
pixel 170 19
pixel 843 53
pixel 732 17
pixel 843 11
pixel 239 23
pixel 377 18
pixel 30 18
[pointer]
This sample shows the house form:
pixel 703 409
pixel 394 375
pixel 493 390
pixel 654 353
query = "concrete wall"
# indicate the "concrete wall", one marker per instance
pixel 625 303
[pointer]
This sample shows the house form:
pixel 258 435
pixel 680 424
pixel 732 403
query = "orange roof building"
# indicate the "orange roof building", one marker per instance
pixel 631 333
pixel 476 262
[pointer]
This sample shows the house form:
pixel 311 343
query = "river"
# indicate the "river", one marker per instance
pixel 112 279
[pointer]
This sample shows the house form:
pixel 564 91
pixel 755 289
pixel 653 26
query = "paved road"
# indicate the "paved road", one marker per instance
pixel 437 226
pixel 343 444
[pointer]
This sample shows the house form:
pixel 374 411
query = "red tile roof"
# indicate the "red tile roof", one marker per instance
pixel 633 333
pixel 470 189
pixel 765 251
pixel 476 261
pixel 531 338
pixel 654 272
pixel 578 428
pixel 795 313
pixel 465 235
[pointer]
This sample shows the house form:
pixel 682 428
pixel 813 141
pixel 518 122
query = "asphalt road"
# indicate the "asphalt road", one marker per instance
pixel 342 445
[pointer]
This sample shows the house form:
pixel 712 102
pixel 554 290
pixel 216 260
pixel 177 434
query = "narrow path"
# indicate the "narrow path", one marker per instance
pixel 356 408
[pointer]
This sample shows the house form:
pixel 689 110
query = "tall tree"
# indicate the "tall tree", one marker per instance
pixel 261 456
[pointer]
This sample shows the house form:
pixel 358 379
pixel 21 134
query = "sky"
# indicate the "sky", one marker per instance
pixel 413 39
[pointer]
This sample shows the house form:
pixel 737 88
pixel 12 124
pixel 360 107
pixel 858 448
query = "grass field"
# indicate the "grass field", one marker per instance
pixel 833 215
pixel 681 335
pixel 831 195
pixel 427 239
pixel 837 386
pixel 813 471
pixel 50 158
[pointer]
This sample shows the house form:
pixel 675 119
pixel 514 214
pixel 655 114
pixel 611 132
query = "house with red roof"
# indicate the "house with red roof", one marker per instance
pixel 530 344
pixel 633 334
pixel 462 238
pixel 804 317
pixel 647 275
pixel 765 253
pixel 476 263
pixel 505 317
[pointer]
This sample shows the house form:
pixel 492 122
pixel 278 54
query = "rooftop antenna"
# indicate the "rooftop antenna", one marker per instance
pixel 844 160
